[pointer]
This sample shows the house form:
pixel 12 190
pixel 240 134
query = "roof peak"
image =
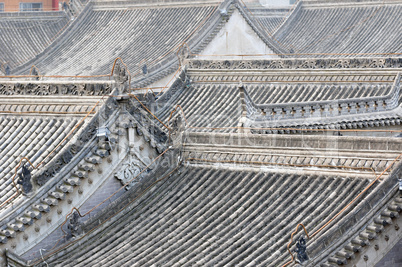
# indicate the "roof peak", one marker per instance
pixel 115 4
pixel 347 3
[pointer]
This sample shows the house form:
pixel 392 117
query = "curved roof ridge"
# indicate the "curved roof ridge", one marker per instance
pixel 347 3
pixel 56 41
pixel 158 52
pixel 267 38
pixel 327 30
pixel 123 4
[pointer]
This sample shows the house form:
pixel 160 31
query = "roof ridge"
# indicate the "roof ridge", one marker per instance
pixel 347 3
pixel 124 4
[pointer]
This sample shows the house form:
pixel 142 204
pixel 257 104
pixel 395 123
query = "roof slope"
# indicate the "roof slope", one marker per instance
pixel 343 28
pixel 286 92
pixel 37 128
pixel 208 216
pixel 23 36
pixel 140 35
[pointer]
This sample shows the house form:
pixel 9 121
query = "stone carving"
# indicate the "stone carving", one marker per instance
pixel 128 172
pixel 150 98
pixel 25 180
pixel 158 134
pixel 377 63
pixel 296 63
pixel 309 64
pixel 342 64
pixel 276 64
pixel 87 134
pixel 177 125
pixel 79 89
pixel 49 172
pixel 74 228
pixel 35 74
pixel 8 70
pixel 90 131
pixel 301 250
pixel 54 89
pixel 183 54
pixel 66 157
pixel 120 74
pixel 144 69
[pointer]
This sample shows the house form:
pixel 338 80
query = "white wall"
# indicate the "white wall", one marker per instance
pixel 275 2
pixel 236 38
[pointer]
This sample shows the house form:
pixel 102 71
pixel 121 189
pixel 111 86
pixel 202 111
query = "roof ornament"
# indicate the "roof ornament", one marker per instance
pixel 144 69
pixel 183 53
pixel 35 74
pixel 224 14
pixel 73 226
pixel 25 180
pixel 301 248
pixel 120 74
pixel 150 99
pixel 8 70
pixel 243 119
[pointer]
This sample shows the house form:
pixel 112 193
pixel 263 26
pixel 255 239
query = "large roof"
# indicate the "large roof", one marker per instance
pixel 139 34
pixel 24 35
pixel 231 164
pixel 350 28
pixel 220 218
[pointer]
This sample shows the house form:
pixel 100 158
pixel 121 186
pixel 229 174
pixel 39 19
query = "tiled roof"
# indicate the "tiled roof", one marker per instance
pixel 140 36
pixel 336 29
pixel 206 216
pixel 29 137
pixel 23 36
pixel 294 95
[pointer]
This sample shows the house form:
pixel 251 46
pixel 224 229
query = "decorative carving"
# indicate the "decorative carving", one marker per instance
pixel 377 63
pixel 54 89
pixel 25 180
pixel 342 64
pixel 150 99
pixel 128 172
pixel 276 64
pixel 48 173
pixel 245 65
pixel 67 157
pixel 79 89
pixel 158 134
pixel 177 125
pixel 296 63
pixel 309 64
pixel 74 228
pixel 90 131
pixel 301 250
pixel 8 70
pixel 120 74
pixel 183 54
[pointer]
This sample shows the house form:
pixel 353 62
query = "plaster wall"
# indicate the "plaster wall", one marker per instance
pixel 275 2
pixel 236 38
